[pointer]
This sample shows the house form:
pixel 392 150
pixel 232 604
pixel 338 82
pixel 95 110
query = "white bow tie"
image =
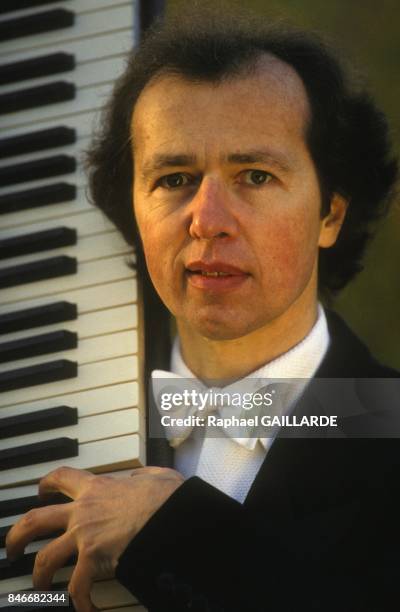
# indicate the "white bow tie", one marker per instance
pixel 196 401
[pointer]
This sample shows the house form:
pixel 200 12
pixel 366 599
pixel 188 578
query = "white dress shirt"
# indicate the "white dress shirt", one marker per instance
pixel 221 461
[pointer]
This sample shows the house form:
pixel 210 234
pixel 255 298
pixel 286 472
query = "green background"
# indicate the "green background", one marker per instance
pixel 367 32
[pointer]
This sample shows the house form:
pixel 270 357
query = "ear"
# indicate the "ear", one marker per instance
pixel 331 224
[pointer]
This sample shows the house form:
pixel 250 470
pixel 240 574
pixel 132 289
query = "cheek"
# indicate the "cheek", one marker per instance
pixel 152 246
pixel 159 255
pixel 290 252
pixel 155 256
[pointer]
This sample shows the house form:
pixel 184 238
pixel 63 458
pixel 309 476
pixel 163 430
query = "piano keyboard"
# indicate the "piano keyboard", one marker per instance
pixel 71 308
pixel 106 594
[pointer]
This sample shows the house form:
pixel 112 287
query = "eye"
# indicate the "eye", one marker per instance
pixel 174 181
pixel 257 177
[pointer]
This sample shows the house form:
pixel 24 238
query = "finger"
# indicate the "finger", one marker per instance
pixel 50 558
pixel 80 585
pixel 35 523
pixel 67 480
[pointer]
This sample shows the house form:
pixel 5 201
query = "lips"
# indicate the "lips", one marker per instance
pixel 214 269
pixel 215 277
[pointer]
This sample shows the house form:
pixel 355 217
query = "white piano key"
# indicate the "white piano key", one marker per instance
pixel 86 223
pixel 25 218
pixel 78 178
pixel 91 376
pixel 113 453
pixel 88 403
pixel 21 583
pixel 86 325
pixel 108 593
pixel 88 429
pixel 86 24
pixel 78 6
pixel 96 46
pixel 88 248
pixel 16 492
pixel 89 274
pixel 9 520
pixel 87 99
pixel 89 350
pixel 84 123
pixel 84 74
pixel 31 548
pixel 88 299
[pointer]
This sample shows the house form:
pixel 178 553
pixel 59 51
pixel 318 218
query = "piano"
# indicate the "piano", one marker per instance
pixel 80 329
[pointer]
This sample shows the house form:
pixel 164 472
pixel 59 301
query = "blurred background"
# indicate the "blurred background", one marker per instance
pixel 368 33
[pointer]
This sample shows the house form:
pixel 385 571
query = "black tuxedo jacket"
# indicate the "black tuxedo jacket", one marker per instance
pixel 319 529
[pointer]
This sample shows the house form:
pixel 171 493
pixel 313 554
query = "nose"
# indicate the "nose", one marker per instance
pixel 212 211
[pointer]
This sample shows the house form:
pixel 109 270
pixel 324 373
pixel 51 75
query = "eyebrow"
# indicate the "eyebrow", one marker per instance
pixel 263 156
pixel 165 160
pixel 161 160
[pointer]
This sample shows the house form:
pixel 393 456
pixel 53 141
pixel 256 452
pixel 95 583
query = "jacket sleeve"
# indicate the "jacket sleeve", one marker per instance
pixel 204 552
pixel 193 554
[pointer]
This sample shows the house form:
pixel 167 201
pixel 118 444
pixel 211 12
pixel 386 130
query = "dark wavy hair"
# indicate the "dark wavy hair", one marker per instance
pixel 347 135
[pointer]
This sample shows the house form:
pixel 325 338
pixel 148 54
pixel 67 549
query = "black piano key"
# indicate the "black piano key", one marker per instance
pixel 22 99
pixel 43 373
pixel 37 141
pixel 46 21
pixel 33 346
pixel 36 67
pixel 54 238
pixel 39 452
pixel 37 317
pixel 37 169
pixel 22 566
pixel 39 420
pixel 42 269
pixel 40 196
pixel 20 505
pixel 8 6
pixel 3 534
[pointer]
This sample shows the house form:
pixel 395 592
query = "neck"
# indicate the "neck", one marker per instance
pixel 230 360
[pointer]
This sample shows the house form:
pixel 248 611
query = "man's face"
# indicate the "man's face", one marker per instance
pixel 227 198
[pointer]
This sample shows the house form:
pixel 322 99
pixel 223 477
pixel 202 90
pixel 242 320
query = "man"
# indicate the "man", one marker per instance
pixel 255 173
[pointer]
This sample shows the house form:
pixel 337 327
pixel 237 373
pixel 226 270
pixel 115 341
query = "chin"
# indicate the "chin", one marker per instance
pixel 222 328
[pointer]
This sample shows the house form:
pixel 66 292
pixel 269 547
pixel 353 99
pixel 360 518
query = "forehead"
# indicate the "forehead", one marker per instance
pixel 264 101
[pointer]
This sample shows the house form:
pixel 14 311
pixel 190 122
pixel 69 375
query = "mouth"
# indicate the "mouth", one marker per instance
pixel 212 274
pixel 215 276
pixel 216 268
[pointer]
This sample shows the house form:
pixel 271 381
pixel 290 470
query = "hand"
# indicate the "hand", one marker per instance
pixel 104 517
